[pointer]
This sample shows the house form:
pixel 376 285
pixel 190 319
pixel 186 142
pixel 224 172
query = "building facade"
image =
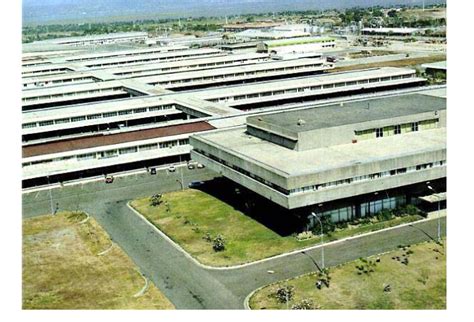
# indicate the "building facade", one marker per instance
pixel 309 158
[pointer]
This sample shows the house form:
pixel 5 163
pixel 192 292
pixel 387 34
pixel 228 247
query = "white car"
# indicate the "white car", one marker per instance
pixel 171 168
pixel 200 166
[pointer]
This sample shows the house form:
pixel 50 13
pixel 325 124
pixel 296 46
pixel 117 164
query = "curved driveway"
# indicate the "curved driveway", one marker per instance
pixel 187 285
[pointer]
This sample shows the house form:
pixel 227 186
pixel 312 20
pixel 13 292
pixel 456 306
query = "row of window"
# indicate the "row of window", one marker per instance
pixel 59 81
pixel 43 71
pixel 92 91
pixel 175 57
pixel 115 152
pixel 224 76
pixel 164 69
pixel 328 184
pixel 396 129
pixel 369 177
pixel 98 116
pixel 158 51
pixel 243 171
pixel 312 88
pixel 367 208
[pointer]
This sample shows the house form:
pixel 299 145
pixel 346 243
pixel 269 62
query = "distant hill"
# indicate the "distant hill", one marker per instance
pixel 62 11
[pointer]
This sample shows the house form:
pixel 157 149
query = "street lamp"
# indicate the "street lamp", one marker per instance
pixel 439 210
pixel 322 238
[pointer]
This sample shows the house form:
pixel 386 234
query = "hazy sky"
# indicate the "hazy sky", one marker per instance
pixel 47 11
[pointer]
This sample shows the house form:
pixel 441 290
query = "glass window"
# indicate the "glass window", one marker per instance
pixel 398 129
pixel 46 123
pixel 110 114
pixel 128 150
pixel 62 121
pixel 148 147
pixel 94 116
pixel 183 141
pixel 379 132
pixel 28 125
pixel 78 118
pixel 414 126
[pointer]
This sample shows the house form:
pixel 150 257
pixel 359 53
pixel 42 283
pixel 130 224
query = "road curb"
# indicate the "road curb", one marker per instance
pixel 182 250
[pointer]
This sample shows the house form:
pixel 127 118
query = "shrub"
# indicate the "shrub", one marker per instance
pixel 323 278
pixel 207 237
pixel 366 266
pixel 342 225
pixel 285 293
pixel 411 210
pixel 304 235
pixel 218 243
pixel 156 200
pixel 384 214
pixel 304 304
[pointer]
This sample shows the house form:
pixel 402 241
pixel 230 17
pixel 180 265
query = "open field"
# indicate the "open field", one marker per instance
pixel 62 268
pixel 421 284
pixel 187 216
pixel 409 62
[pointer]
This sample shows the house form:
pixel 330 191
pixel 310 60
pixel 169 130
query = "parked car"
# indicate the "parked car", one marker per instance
pixel 171 168
pixel 191 166
pixel 109 179
pixel 153 171
pixel 200 166
pixel 195 184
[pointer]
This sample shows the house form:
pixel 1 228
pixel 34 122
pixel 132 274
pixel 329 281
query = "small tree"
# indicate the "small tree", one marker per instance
pixel 367 266
pixel 323 278
pixel 285 293
pixel 156 200
pixel 218 243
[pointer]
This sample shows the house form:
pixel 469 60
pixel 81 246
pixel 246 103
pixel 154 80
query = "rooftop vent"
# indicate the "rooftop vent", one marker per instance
pixel 301 122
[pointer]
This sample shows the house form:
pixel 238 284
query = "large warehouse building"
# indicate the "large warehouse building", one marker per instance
pixel 93 112
pixel 330 159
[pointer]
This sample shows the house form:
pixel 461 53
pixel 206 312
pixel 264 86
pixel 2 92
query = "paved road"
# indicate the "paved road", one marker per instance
pixel 186 284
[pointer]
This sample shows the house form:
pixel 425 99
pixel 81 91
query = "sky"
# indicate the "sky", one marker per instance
pixel 50 11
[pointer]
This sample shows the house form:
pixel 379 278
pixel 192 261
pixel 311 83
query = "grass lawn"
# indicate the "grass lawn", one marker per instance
pixel 61 268
pixel 421 284
pixel 193 213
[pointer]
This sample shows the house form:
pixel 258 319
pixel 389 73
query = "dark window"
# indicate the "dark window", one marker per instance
pixel 398 129
pixel 379 132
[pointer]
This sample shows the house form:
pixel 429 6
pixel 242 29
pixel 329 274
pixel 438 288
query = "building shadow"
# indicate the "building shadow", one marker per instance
pixel 282 221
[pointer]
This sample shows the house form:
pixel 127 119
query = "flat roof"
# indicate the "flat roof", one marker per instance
pixel 435 197
pixel 437 65
pixel 349 113
pixel 122 53
pixel 179 63
pixel 300 81
pixel 94 108
pixel 117 35
pixel 392 30
pixel 63 89
pixel 152 56
pixel 111 139
pixel 287 162
pixel 223 70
